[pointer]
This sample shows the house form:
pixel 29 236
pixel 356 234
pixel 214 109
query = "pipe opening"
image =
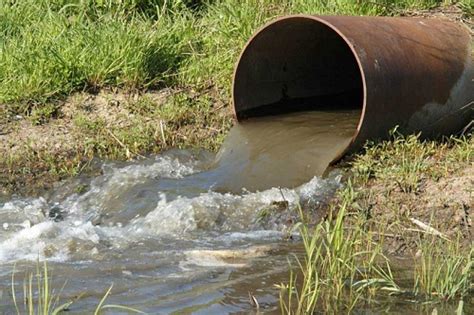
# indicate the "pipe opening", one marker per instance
pixel 294 64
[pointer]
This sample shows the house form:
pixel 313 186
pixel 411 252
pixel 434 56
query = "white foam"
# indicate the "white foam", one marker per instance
pixel 230 218
pixel 226 212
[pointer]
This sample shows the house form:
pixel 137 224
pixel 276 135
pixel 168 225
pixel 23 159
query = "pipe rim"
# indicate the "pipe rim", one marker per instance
pixel 319 19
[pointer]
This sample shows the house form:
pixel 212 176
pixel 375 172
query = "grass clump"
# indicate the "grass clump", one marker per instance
pixel 40 298
pixel 44 301
pixel 224 28
pixel 43 114
pixel 468 7
pixel 344 269
pixel 403 161
pixel 341 266
pixel 443 270
pixel 406 161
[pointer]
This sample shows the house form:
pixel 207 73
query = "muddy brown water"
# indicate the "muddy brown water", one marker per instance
pixel 184 231
pixel 282 151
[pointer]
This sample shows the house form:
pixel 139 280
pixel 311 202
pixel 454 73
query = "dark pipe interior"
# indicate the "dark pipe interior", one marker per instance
pixel 296 64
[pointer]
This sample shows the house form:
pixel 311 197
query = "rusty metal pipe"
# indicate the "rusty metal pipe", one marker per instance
pixel 416 73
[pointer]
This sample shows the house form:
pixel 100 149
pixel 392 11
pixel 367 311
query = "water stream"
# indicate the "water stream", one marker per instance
pixel 183 231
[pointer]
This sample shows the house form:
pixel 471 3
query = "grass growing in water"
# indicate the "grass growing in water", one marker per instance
pixel 344 268
pixel 39 297
pixel 444 270
pixel 341 265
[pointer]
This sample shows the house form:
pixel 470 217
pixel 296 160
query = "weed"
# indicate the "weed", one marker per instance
pixel 461 149
pixel 402 160
pixel 43 114
pixel 467 6
pixel 39 297
pixel 339 264
pixel 444 270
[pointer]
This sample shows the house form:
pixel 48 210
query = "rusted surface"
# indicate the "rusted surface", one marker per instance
pixel 416 73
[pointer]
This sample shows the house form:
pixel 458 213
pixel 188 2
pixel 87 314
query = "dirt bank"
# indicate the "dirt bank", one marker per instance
pixel 48 146
pixel 407 189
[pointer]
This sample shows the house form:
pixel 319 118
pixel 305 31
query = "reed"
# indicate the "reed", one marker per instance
pixel 340 265
pixel 40 298
pixel 444 270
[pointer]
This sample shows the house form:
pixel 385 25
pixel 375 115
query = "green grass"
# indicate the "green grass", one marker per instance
pixel 50 48
pixel 444 270
pixel 405 161
pixel 467 7
pixel 341 265
pixel 40 298
pixel 402 161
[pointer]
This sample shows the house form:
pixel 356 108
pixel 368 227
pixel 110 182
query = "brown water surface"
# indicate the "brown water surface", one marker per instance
pixel 283 151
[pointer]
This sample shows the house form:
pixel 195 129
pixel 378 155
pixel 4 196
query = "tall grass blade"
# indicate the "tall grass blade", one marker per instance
pixel 99 306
